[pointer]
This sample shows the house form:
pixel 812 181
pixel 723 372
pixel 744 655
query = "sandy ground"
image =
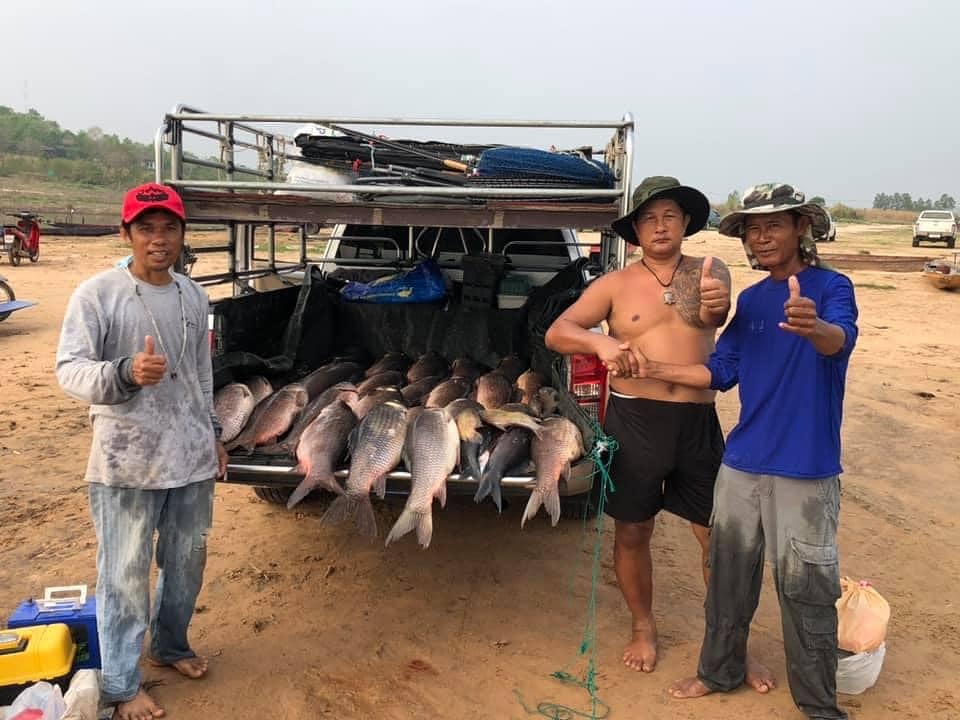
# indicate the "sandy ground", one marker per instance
pixel 302 622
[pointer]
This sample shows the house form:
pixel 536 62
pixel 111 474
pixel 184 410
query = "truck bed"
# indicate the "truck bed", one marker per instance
pixel 285 333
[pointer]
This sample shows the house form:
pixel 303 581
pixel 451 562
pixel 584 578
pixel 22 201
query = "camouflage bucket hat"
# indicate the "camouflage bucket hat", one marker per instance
pixel 772 198
pixel 693 202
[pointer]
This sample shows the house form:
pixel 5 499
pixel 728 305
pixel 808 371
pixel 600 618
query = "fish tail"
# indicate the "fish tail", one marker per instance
pixel 408 520
pixel 489 485
pixel 533 506
pixel 551 502
pixel 352 507
pixel 312 481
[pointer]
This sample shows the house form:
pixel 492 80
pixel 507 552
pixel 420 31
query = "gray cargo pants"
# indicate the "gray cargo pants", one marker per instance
pixel 796 521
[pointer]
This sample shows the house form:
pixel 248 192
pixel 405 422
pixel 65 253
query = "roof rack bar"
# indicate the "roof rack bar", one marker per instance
pixel 468 192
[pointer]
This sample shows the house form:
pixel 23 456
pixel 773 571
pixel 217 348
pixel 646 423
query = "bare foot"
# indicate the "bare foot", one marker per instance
pixel 641 652
pixel 140 707
pixel 691 687
pixel 759 676
pixel 193 667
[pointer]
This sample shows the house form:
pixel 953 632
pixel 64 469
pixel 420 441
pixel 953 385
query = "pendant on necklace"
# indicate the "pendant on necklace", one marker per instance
pixel 668 297
pixel 173 375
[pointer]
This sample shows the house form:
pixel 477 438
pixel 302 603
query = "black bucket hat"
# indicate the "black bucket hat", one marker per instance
pixel 693 202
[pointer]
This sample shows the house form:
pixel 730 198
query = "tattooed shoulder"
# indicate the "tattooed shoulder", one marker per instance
pixel 686 286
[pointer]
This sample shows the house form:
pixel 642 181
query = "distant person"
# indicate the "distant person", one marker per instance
pixel 134 346
pixel 778 490
pixel 670 443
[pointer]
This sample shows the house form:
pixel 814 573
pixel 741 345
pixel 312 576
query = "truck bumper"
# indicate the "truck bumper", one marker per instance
pixel 398 481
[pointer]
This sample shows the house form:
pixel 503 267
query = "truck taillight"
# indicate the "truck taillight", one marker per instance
pixel 588 384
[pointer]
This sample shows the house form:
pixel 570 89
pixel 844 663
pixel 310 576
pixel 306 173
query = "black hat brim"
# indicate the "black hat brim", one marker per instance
pixel 693 202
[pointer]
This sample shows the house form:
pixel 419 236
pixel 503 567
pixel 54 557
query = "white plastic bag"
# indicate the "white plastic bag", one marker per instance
pixel 42 696
pixel 856 673
pixel 83 696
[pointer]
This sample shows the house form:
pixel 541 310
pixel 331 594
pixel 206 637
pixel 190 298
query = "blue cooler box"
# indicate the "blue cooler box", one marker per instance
pixel 71 606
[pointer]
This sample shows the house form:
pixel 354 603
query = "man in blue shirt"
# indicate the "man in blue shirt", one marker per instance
pixel 778 489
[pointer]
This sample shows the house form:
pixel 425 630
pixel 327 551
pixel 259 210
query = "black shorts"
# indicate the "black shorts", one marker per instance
pixel 668 458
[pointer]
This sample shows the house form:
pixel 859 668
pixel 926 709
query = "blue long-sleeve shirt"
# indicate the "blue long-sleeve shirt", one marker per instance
pixel 791 396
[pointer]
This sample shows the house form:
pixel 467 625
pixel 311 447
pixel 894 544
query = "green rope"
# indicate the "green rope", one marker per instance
pixel 602 453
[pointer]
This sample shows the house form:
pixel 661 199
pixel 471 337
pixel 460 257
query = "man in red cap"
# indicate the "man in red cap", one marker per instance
pixel 134 347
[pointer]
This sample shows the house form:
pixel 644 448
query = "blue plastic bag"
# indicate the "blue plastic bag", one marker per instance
pixel 420 284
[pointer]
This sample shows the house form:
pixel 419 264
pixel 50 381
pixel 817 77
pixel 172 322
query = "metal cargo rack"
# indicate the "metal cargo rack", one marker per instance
pixel 250 154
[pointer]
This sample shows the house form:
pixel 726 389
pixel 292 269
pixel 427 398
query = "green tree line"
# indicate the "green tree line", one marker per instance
pixel 903 201
pixel 32 144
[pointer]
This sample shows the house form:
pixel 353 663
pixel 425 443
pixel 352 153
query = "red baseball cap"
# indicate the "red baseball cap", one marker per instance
pixel 151 196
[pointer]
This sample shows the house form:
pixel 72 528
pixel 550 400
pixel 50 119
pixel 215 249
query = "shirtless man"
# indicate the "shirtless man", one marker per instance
pixel 670 439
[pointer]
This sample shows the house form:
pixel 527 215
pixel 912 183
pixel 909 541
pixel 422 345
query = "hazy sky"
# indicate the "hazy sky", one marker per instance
pixel 845 98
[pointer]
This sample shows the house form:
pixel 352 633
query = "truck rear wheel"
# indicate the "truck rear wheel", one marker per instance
pixel 951 243
pixel 274 495
pixel 916 242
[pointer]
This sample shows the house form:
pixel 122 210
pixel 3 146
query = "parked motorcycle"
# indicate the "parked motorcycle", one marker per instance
pixel 23 239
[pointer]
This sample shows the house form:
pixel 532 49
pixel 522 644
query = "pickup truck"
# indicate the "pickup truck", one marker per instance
pixel 283 318
pixel 935 226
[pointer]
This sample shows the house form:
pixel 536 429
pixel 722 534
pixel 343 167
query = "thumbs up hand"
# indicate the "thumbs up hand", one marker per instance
pixel 800 312
pixel 148 367
pixel 714 292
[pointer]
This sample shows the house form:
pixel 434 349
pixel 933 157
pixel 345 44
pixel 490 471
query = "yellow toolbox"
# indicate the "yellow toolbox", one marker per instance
pixel 31 654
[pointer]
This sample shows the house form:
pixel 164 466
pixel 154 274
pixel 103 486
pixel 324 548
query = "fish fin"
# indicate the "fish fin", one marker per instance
pixel 551 502
pixel 380 486
pixel 407 521
pixel 340 509
pixel 355 507
pixel 364 518
pixel 533 505
pixel 441 494
pixel 425 529
pixel 489 485
pixel 302 490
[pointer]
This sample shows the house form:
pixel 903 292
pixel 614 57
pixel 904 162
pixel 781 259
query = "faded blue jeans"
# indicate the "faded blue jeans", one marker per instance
pixel 126 520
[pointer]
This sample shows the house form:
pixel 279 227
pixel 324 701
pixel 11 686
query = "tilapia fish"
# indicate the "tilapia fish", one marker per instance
pixel 431 451
pixel 330 374
pixel 448 391
pixel 494 390
pixel 503 418
pixel 430 363
pixel 383 379
pixel 528 384
pixel 321 447
pixel 233 404
pixel 467 367
pixel 344 391
pixel 272 418
pixel 560 445
pixel 260 387
pixel 511 450
pixel 364 405
pixel 416 392
pixel 391 362
pixel 512 367
pixel 375 448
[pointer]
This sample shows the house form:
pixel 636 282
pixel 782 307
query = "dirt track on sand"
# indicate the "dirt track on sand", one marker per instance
pixel 304 622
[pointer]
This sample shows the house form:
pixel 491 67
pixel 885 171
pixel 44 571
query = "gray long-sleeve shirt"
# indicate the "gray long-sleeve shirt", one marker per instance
pixel 157 436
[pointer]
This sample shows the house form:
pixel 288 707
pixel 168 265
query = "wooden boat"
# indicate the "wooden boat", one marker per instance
pixel 943 274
